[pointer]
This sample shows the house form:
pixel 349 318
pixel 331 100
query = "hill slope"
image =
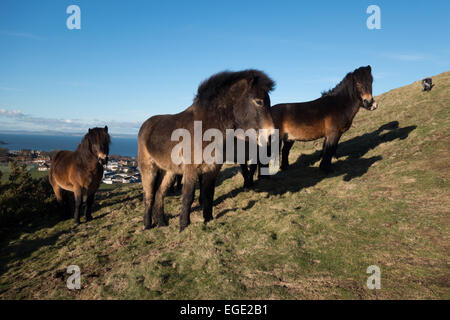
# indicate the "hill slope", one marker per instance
pixel 299 235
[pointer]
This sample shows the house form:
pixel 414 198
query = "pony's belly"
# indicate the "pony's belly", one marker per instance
pixel 300 130
pixel 168 165
pixel 179 169
pixel 304 134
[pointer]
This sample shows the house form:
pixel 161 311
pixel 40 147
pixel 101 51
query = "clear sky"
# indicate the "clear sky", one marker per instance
pixel 134 59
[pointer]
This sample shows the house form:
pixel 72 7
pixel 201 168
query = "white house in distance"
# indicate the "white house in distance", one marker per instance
pixel 112 165
pixel 121 172
pixel 43 167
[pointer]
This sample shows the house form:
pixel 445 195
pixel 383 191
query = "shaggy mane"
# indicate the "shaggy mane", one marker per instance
pixel 341 86
pixel 218 84
pixel 345 87
pixel 95 136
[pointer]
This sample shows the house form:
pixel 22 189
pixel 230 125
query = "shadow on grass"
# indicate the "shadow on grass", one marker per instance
pixel 357 147
pixel 107 202
pixel 300 175
pixel 106 194
pixel 51 215
pixel 24 248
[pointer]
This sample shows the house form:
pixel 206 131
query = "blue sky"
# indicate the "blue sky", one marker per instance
pixel 135 59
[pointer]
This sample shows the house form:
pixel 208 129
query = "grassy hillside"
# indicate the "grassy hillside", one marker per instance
pixel 299 235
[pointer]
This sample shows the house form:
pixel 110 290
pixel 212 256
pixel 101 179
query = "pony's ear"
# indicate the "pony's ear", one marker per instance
pixel 369 68
pixel 90 130
pixel 106 129
pixel 238 89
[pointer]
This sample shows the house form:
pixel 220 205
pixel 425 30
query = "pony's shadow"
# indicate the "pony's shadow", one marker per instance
pixel 250 204
pixel 227 173
pixel 22 249
pixel 110 202
pixel 301 175
pixel 357 147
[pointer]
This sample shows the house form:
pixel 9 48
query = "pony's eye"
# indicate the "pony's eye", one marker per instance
pixel 259 102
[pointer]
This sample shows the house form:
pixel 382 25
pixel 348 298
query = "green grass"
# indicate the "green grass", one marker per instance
pixel 35 174
pixel 299 235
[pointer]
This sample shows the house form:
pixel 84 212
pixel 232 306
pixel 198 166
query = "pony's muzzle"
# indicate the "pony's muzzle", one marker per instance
pixel 103 161
pixel 374 106
pixel 370 104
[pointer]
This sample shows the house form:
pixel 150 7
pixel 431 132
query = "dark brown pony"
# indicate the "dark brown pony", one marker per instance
pixel 81 171
pixel 329 116
pixel 227 100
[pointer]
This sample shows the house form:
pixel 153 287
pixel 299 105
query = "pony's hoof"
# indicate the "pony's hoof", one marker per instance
pixel 206 220
pixel 162 224
pixel 248 185
pixel 182 227
pixel 148 227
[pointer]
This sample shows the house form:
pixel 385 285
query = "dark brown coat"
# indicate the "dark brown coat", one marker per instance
pixel 81 171
pixel 329 116
pixel 228 100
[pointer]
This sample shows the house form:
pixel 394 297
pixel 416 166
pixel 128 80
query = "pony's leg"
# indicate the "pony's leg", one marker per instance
pixel 190 177
pixel 149 175
pixel 330 145
pixel 88 209
pixel 324 145
pixel 172 187
pixel 246 175
pixel 78 205
pixel 209 183
pixel 259 164
pixel 178 180
pixel 59 197
pixel 84 206
pixel 251 172
pixel 200 183
pixel 287 145
pixel 70 200
pixel 59 194
pixel 158 207
pixel 176 184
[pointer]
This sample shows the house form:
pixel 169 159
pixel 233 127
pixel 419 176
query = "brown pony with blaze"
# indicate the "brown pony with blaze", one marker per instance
pixel 329 116
pixel 227 100
pixel 81 171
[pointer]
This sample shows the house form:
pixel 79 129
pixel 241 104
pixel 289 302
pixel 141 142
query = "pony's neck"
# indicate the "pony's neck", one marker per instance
pixel 354 109
pixel 346 94
pixel 348 99
pixel 87 157
pixel 347 102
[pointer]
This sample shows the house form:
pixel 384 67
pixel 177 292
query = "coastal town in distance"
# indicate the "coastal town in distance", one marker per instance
pixel 119 170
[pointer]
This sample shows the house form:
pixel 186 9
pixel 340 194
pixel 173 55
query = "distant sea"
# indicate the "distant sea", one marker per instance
pixel 121 146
